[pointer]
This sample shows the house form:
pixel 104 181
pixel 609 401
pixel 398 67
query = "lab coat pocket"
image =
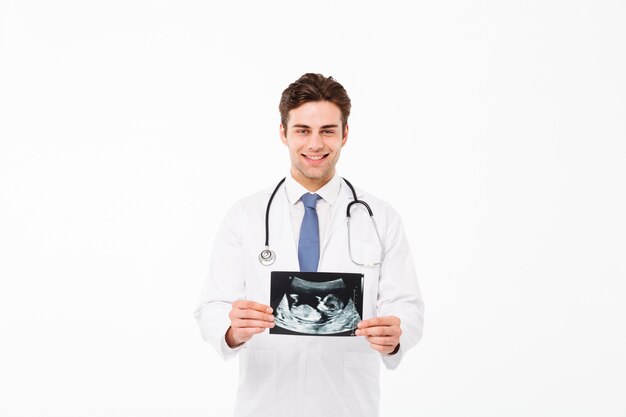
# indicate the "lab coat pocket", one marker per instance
pixel 367 253
pixel 257 389
pixel 361 383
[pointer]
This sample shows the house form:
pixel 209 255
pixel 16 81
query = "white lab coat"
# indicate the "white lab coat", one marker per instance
pixel 306 376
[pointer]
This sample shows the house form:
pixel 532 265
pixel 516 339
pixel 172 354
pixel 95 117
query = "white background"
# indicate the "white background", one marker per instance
pixel 496 128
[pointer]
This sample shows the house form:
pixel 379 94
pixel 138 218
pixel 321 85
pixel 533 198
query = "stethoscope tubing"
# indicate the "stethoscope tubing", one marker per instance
pixel 268 256
pixel 267 213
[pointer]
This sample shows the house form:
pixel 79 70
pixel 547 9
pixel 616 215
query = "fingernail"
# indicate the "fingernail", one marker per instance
pixel 269 309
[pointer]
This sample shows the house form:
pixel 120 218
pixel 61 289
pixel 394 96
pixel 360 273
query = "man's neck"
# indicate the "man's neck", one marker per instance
pixel 311 184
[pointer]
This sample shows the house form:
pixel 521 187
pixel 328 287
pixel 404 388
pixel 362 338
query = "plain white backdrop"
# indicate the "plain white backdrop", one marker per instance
pixel 496 128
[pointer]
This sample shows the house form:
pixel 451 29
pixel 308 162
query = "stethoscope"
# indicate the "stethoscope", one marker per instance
pixel 268 256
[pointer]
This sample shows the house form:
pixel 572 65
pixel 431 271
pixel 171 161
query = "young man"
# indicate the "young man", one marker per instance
pixel 287 375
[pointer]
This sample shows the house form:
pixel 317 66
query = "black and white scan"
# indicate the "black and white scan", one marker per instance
pixel 316 303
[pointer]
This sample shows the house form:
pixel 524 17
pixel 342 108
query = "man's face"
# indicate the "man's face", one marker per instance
pixel 314 138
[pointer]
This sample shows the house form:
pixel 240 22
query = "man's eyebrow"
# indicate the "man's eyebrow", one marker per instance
pixel 308 127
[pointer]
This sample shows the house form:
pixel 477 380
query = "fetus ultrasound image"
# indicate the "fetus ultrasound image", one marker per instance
pixel 316 303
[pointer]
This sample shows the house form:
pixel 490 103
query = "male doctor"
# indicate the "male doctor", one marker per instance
pixel 307 376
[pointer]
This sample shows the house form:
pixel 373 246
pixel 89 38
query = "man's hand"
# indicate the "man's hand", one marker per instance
pixel 247 318
pixel 383 333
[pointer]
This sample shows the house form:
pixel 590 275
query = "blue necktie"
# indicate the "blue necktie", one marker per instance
pixel 309 242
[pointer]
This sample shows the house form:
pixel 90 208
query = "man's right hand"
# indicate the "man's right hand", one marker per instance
pixel 247 318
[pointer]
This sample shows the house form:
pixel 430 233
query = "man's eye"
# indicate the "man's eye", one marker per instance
pixel 328 132
pixel 302 131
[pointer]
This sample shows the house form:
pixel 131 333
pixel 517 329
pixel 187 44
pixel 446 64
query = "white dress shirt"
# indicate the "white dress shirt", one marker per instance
pixel 328 194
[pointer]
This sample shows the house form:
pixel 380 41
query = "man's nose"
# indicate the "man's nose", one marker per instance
pixel 315 142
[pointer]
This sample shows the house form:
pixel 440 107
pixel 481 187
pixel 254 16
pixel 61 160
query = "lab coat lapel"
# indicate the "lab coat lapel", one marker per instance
pixel 284 240
pixel 338 217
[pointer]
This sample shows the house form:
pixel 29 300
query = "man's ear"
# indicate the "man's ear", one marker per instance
pixel 283 134
pixel 345 135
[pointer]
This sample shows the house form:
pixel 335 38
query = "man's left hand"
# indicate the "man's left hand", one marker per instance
pixel 383 333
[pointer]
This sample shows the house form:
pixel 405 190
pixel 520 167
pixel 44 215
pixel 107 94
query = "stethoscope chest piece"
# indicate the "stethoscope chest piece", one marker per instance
pixel 267 256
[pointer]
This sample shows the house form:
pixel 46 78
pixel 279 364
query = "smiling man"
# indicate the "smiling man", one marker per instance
pixel 314 133
pixel 304 221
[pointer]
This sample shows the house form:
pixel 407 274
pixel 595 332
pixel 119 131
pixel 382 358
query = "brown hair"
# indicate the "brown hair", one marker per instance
pixel 314 87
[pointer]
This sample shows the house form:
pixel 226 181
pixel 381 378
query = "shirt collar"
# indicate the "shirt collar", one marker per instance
pixel 329 192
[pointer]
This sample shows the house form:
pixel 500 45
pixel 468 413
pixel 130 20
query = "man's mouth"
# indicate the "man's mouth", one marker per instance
pixel 315 157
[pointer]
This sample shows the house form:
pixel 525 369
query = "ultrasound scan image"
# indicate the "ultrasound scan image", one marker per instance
pixel 316 303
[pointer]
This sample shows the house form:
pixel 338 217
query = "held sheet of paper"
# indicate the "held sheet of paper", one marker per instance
pixel 316 303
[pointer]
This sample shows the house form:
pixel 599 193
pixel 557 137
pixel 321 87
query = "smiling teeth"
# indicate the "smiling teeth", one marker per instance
pixel 315 158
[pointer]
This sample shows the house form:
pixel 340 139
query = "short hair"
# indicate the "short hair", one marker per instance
pixel 314 87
